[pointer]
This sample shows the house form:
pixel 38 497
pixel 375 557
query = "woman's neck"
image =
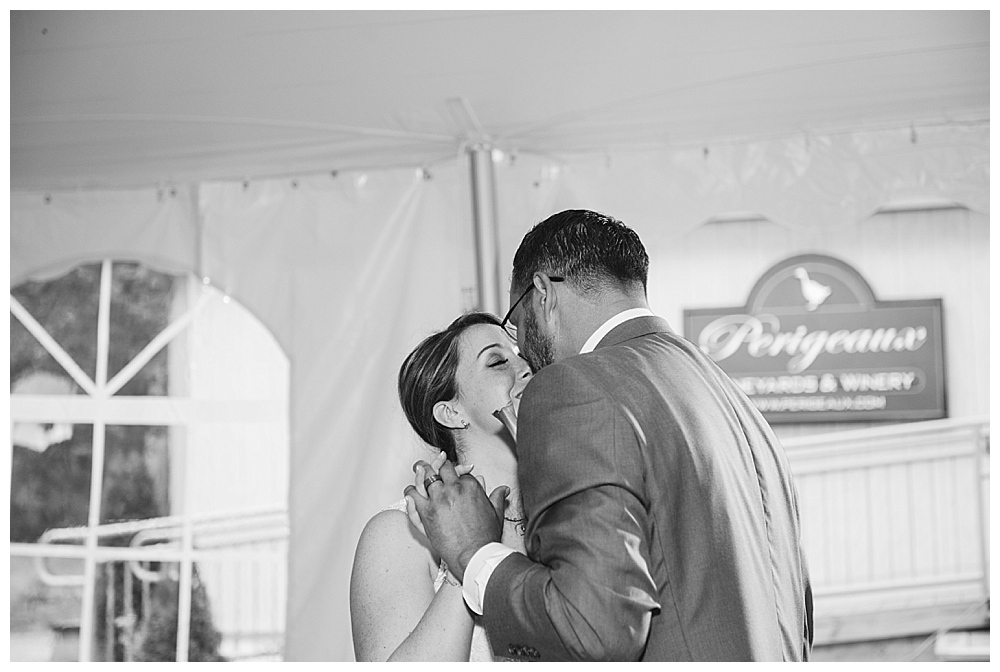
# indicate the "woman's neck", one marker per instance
pixel 493 458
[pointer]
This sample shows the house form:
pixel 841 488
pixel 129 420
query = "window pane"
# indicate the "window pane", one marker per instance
pixel 67 308
pixel 44 619
pixel 33 370
pixel 238 472
pixel 155 631
pixel 136 611
pixel 136 475
pixel 50 488
pixel 141 301
pixel 237 466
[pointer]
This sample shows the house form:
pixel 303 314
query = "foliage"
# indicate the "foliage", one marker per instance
pixel 158 639
pixel 52 489
pixel 67 307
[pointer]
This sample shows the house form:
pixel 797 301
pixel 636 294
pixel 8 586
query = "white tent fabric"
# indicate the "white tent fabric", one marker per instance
pixel 350 271
pixel 113 99
pixel 51 234
pixel 349 274
pixel 804 182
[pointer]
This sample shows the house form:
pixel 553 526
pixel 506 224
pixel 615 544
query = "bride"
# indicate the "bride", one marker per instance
pixel 405 604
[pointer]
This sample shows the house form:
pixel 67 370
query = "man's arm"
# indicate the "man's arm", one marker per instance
pixel 585 590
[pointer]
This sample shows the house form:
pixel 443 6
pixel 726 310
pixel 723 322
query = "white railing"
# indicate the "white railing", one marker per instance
pixel 894 519
pixel 895 527
pixel 242 563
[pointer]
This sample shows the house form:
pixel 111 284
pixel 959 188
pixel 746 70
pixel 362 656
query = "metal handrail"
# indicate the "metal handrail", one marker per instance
pixel 158 530
pixel 214 530
pixel 263 529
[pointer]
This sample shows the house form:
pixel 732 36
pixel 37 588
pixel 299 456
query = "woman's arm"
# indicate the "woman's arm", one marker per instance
pixel 395 613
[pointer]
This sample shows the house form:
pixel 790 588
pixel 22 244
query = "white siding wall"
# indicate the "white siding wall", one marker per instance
pixel 893 528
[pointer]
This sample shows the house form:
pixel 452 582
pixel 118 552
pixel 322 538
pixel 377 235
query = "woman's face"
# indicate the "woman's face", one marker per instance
pixel 490 373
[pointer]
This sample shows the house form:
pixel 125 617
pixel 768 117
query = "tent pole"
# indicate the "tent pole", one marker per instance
pixel 487 234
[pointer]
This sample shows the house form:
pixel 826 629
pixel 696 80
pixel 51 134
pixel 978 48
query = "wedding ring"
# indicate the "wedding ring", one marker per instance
pixel 433 478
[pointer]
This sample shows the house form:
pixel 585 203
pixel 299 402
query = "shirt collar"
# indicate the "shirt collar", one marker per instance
pixel 603 330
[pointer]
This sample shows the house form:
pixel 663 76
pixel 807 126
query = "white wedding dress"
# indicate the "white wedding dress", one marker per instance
pixel 481 650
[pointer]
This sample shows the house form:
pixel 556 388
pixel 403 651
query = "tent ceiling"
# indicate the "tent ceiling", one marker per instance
pixel 108 99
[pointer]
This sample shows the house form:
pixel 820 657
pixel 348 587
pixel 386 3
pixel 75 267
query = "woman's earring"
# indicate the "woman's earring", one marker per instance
pixel 465 424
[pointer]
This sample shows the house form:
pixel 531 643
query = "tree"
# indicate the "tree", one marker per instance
pixel 52 489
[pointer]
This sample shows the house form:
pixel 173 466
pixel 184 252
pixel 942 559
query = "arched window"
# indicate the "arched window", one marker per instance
pixel 149 470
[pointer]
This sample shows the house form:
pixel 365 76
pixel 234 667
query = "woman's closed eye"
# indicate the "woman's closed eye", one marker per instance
pixel 497 362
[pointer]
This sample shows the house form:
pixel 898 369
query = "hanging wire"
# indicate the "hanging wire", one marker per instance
pixel 696 143
pixel 234 121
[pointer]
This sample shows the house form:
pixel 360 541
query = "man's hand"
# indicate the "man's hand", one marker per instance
pixel 421 471
pixel 457 517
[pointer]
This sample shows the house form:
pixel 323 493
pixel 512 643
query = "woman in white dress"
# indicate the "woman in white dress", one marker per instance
pixel 405 605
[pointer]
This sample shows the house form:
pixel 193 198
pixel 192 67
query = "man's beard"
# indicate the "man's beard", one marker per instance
pixel 540 351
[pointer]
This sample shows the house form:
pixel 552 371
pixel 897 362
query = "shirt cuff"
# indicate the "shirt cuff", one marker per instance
pixel 479 571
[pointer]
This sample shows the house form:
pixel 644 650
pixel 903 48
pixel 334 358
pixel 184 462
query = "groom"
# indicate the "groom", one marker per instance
pixel 662 518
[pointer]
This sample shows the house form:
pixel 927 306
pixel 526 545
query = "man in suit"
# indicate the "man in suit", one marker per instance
pixel 662 521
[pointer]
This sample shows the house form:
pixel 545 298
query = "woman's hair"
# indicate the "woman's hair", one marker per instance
pixel 427 376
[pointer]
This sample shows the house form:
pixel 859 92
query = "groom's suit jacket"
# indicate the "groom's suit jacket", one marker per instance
pixel 662 518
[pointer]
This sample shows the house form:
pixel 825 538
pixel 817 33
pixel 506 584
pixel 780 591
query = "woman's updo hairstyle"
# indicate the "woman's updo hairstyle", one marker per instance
pixel 427 376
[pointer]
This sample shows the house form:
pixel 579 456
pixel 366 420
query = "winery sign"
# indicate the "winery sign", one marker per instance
pixel 813 344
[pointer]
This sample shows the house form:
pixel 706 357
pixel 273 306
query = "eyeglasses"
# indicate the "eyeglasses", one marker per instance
pixel 504 323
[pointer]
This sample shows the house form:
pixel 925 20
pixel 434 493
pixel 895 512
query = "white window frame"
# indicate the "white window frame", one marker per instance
pixel 100 408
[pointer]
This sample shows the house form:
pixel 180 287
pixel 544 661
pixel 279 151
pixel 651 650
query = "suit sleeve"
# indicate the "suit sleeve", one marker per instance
pixel 585 590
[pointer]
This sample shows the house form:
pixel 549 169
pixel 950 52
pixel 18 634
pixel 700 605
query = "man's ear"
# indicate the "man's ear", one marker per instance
pixel 547 295
pixel 448 415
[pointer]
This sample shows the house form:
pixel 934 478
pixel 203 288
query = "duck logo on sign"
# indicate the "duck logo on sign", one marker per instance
pixel 813 344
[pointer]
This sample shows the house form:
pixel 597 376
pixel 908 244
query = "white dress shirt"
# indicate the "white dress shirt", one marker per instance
pixel 481 566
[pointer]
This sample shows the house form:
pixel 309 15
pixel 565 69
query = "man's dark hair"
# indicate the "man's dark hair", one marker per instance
pixel 591 250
